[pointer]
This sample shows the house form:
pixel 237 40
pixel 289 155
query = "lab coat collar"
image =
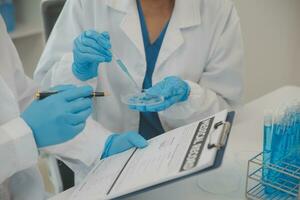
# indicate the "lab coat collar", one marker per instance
pixel 120 5
pixel 184 15
pixel 130 24
pixel 186 12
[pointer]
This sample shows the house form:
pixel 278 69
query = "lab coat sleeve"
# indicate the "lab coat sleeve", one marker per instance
pixel 55 68
pixel 84 149
pixel 25 90
pixel 22 86
pixel 87 146
pixel 69 25
pixel 221 84
pixel 62 74
pixel 18 150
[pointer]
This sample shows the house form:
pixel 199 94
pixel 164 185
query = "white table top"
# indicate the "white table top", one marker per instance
pixel 228 181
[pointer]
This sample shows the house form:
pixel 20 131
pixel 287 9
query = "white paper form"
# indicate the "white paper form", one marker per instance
pixel 163 157
pixel 101 177
pixel 173 154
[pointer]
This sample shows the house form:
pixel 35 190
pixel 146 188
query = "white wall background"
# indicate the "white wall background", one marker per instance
pixel 271 30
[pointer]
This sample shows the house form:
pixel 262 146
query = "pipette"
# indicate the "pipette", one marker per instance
pixel 124 68
pixel 140 97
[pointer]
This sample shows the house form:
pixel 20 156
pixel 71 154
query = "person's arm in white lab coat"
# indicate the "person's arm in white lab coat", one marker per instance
pixel 88 146
pixel 69 25
pixel 221 84
pixel 79 153
pixel 18 150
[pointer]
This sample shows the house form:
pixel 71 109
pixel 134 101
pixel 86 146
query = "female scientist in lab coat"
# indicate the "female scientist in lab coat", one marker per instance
pixel 190 51
pixel 26 126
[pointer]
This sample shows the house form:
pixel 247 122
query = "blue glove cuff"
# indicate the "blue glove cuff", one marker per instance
pixel 107 146
pixel 82 74
pixel 187 90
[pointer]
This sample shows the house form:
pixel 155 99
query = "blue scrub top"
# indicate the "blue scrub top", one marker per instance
pixel 150 125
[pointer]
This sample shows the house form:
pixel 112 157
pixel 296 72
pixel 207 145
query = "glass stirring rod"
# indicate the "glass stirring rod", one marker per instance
pixel 124 68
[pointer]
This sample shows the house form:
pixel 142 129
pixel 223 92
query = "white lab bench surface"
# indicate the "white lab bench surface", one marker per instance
pixel 228 181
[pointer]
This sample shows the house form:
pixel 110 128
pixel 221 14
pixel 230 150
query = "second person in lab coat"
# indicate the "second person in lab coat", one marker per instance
pixel 189 51
pixel 28 125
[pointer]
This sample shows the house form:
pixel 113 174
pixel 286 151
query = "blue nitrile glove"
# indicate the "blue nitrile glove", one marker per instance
pixel 118 143
pixel 90 49
pixel 60 117
pixel 172 88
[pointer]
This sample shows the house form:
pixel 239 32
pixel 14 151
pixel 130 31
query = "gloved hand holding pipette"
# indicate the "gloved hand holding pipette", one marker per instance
pixel 90 49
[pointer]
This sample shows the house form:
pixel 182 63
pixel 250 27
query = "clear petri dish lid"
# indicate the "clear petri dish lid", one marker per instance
pixel 141 99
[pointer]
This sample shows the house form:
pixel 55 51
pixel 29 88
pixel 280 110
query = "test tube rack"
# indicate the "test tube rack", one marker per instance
pixel 284 188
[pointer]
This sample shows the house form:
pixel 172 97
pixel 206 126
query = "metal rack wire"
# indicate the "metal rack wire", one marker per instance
pixel 284 183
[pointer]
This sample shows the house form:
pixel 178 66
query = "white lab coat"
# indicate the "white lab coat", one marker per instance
pixel 19 177
pixel 202 45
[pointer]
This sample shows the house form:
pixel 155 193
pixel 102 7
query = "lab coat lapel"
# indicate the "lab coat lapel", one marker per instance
pixel 186 14
pixel 130 24
pixel 172 41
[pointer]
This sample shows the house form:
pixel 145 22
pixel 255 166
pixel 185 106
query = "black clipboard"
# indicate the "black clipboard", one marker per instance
pixel 218 160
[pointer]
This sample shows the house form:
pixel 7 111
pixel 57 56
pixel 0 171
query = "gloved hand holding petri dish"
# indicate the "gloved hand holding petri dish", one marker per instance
pixel 164 94
pixel 136 98
pixel 169 91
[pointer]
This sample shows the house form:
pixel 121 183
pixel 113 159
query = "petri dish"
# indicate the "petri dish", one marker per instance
pixel 141 99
